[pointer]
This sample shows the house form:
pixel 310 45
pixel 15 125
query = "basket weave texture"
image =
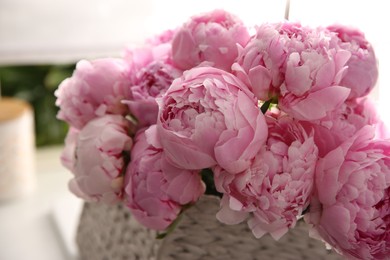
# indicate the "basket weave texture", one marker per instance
pixel 111 233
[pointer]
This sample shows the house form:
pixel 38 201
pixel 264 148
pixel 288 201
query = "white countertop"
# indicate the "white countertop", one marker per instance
pixel 41 225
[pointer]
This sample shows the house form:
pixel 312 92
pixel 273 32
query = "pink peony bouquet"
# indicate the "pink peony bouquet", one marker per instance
pixel 278 124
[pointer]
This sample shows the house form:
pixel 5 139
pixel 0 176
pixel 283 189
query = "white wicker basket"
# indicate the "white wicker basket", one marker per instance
pixel 110 233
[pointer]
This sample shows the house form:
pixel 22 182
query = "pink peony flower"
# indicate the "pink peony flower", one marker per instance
pixel 138 58
pixel 150 82
pixel 68 153
pixel 362 72
pixel 95 89
pixel 297 66
pixel 211 37
pixel 342 123
pixel 99 162
pixel 276 188
pixel 209 117
pixel 162 38
pixel 155 189
pixel 351 208
pixel 152 72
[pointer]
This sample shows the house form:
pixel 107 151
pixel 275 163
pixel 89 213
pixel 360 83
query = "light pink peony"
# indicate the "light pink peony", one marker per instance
pixel 362 73
pixel 162 38
pixel 211 37
pixel 155 189
pixel 297 66
pixel 351 208
pixel 276 188
pixel 151 73
pixel 150 82
pixel 68 153
pixel 344 122
pixel 209 117
pixel 138 58
pixel 95 89
pixel 99 161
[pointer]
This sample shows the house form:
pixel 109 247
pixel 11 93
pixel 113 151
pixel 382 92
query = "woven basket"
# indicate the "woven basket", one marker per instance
pixel 111 233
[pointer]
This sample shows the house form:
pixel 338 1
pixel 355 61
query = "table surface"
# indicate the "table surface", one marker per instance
pixel 42 224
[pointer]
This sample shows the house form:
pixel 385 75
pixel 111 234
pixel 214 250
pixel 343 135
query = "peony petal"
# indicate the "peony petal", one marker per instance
pixel 229 216
pixel 327 173
pixel 324 100
pixel 260 78
pixel 338 230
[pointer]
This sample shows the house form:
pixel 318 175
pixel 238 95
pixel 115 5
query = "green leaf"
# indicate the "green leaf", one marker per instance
pixel 208 179
pixel 269 103
pixel 265 106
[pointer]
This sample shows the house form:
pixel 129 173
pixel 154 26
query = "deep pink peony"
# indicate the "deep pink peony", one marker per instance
pixel 99 163
pixel 209 117
pixel 276 188
pixel 95 89
pixel 211 37
pixel 297 66
pixel 156 190
pixel 362 72
pixel 351 210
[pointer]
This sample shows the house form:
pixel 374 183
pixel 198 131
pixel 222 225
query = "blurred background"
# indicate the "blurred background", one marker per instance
pixel 40 42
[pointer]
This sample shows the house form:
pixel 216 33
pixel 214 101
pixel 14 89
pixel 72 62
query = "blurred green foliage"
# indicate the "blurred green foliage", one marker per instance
pixel 36 85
